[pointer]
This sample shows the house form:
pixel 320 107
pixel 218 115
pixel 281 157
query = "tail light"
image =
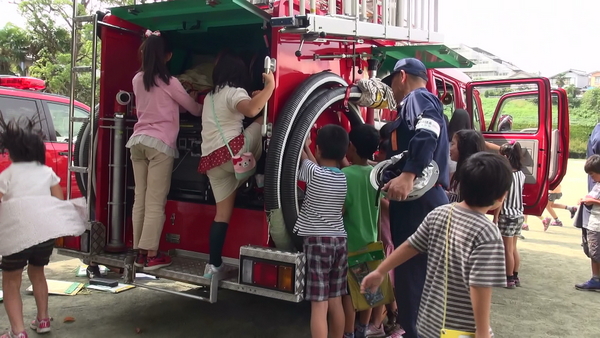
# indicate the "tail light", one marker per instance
pixel 268 274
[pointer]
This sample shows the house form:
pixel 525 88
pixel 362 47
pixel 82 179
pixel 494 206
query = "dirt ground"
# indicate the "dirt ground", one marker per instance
pixel 547 305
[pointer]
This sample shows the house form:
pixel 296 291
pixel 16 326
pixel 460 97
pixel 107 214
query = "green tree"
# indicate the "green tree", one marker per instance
pixel 49 23
pixel 591 100
pixel 561 79
pixel 572 91
pixel 16 49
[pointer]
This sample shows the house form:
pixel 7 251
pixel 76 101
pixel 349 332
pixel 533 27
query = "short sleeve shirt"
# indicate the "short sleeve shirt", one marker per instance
pixel 230 120
pixel 594 221
pixel 27 179
pixel 360 215
pixel 476 258
pixel 321 212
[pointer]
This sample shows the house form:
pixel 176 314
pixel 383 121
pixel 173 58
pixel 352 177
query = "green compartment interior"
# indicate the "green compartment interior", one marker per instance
pixel 433 56
pixel 195 28
pixel 191 15
pixel 245 40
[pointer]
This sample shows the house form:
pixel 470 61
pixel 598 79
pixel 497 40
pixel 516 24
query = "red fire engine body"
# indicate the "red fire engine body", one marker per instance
pixel 319 52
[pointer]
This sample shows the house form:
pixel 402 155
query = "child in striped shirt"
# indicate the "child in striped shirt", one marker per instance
pixel 321 225
pixel 465 253
pixel 510 217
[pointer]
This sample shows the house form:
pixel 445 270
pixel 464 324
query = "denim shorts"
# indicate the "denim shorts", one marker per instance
pixel 510 226
pixel 554 196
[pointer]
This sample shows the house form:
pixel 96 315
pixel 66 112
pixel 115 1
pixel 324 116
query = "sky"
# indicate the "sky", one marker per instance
pixel 547 36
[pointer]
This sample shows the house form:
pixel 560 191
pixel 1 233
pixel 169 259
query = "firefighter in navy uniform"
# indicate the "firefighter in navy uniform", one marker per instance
pixel 421 129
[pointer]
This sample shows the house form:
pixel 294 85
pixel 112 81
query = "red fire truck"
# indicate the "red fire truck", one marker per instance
pixel 321 48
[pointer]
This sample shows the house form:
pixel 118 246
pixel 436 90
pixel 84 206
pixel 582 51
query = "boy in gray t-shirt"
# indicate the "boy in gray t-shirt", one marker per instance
pixel 475 252
pixel 591 230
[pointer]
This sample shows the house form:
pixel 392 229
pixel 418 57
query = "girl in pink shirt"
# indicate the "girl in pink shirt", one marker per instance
pixel 159 99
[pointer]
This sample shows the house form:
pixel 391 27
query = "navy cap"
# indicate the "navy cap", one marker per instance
pixel 410 66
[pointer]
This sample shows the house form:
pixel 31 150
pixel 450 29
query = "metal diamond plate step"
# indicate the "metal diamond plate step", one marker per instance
pixel 187 267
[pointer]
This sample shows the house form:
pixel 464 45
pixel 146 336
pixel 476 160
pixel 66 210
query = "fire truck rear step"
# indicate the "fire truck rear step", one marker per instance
pixel 187 267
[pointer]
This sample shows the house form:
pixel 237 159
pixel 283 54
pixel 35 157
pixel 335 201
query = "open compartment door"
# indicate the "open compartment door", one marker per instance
pixel 559 156
pixel 519 110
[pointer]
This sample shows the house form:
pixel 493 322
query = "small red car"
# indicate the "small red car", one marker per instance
pixel 22 97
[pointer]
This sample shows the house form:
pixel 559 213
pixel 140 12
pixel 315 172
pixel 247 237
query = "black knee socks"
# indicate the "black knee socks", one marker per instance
pixel 218 231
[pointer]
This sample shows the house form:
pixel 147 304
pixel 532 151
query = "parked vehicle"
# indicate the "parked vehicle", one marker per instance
pixel 320 52
pixel 21 97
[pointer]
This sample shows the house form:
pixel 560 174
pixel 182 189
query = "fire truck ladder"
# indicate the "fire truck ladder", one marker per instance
pixel 75 27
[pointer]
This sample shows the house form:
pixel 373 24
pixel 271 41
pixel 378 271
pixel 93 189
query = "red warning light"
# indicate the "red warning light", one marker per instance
pixel 30 83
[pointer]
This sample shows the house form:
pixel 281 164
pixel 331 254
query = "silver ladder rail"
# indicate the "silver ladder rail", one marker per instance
pixel 76 23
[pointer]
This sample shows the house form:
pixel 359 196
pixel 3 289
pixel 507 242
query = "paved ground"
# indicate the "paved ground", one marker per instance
pixel 546 306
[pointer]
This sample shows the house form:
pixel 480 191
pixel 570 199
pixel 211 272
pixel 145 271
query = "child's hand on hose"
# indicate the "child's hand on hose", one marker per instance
pixel 308 142
pixel 371 282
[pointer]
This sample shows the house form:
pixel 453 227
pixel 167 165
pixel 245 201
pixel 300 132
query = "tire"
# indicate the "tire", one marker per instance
pixel 291 159
pixel 81 156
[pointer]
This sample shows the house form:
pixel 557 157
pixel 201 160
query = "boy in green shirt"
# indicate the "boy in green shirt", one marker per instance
pixel 360 212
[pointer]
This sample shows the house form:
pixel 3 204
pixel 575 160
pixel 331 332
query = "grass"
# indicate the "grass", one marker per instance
pixel 547 304
pixel 525 115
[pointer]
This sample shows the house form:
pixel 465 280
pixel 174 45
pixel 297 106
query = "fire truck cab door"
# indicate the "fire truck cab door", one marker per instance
pixel 518 110
pixel 559 157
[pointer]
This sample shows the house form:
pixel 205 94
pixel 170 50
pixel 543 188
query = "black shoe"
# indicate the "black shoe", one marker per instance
pixel 572 210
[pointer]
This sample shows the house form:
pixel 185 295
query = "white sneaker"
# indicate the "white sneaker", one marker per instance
pixel 212 270
pixel 375 332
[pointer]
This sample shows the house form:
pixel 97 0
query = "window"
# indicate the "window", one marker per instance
pixel 60 119
pixel 515 108
pixel 15 108
pixel 449 106
pixel 597 80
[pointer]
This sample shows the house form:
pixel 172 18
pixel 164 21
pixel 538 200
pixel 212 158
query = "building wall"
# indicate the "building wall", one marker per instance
pixel 595 79
pixel 577 80
pixel 486 67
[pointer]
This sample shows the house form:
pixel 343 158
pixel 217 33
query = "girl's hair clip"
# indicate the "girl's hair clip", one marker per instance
pixel 149 32
pixel 512 142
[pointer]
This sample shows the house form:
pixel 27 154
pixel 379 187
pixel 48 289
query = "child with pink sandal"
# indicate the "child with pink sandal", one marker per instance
pixel 32 215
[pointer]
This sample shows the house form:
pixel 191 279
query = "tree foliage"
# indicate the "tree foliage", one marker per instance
pixel 45 44
pixel 16 49
pixel 572 91
pixel 561 79
pixel 49 24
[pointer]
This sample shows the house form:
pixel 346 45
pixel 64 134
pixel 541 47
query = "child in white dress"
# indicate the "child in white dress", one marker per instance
pixel 32 215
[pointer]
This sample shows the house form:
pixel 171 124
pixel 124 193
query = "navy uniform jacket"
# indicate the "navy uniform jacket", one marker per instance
pixel 421 129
